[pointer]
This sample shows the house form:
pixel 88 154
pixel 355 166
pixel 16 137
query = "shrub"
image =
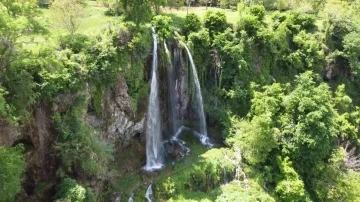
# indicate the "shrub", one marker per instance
pixel 258 11
pixel 202 176
pixel 215 22
pixel 3 104
pixel 352 50
pixel 19 82
pixel 290 179
pixel 70 190
pixel 250 24
pixel 163 26
pixel 11 168
pixel 89 195
pixel 76 42
pixel 192 24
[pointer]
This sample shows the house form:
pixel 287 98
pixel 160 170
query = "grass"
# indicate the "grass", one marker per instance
pixel 180 14
pixel 96 19
pixel 92 24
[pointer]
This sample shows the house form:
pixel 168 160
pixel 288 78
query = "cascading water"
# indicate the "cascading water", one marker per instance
pixel 172 96
pixel 149 193
pixel 179 131
pixel 226 181
pixel 154 147
pixel 131 198
pixel 202 134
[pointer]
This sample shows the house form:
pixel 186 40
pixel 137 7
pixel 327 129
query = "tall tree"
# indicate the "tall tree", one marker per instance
pixel 68 14
pixel 138 11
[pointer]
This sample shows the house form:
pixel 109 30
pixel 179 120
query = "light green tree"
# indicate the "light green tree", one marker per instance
pixel 68 14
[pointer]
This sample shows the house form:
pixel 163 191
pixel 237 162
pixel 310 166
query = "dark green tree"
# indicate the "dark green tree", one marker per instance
pixel 11 168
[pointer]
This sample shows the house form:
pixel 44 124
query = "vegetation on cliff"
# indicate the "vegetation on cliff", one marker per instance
pixel 280 83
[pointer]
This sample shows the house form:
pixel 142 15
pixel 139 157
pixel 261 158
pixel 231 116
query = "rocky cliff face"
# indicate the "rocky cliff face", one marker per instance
pixel 117 119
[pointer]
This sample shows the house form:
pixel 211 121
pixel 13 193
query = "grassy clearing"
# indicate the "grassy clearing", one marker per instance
pixel 178 15
pixel 92 24
pixel 96 20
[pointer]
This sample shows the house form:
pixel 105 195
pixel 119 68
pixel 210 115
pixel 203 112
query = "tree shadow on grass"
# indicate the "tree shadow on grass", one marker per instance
pixel 178 21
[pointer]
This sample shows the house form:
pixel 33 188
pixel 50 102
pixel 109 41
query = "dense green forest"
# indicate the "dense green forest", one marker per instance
pixel 280 81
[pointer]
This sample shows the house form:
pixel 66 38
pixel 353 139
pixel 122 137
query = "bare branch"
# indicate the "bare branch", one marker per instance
pixel 352 160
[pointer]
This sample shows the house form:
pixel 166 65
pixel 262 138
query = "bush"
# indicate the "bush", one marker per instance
pixel 215 22
pixel 192 24
pixel 258 11
pixel 90 196
pixel 76 42
pixel 19 82
pixel 352 51
pixel 3 104
pixel 250 24
pixel 290 179
pixel 70 190
pixel 11 168
pixel 163 26
pixel 203 176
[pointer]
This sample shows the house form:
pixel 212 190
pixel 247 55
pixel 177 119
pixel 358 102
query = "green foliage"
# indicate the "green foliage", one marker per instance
pixel 290 188
pixel 227 3
pixel 192 24
pixel 310 107
pixel 89 195
pixel 68 14
pixel 17 16
pixel 75 43
pixel 258 137
pixel 70 190
pixel 334 181
pixel 200 43
pixel 352 51
pixel 78 146
pixel 175 3
pixel 19 82
pixel 138 47
pixel 11 168
pixel 115 7
pixel 3 104
pixel 163 26
pixel 138 11
pixel 301 124
pixel 215 22
pixel 235 192
pixel 97 100
pixel 90 57
pixel 203 176
pixel 257 11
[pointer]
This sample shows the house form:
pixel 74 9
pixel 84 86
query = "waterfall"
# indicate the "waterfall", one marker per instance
pixel 172 92
pixel 154 147
pixel 179 131
pixel 226 181
pixel 131 198
pixel 149 193
pixel 199 100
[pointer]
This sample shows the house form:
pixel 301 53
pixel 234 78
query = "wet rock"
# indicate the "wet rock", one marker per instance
pixel 119 120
